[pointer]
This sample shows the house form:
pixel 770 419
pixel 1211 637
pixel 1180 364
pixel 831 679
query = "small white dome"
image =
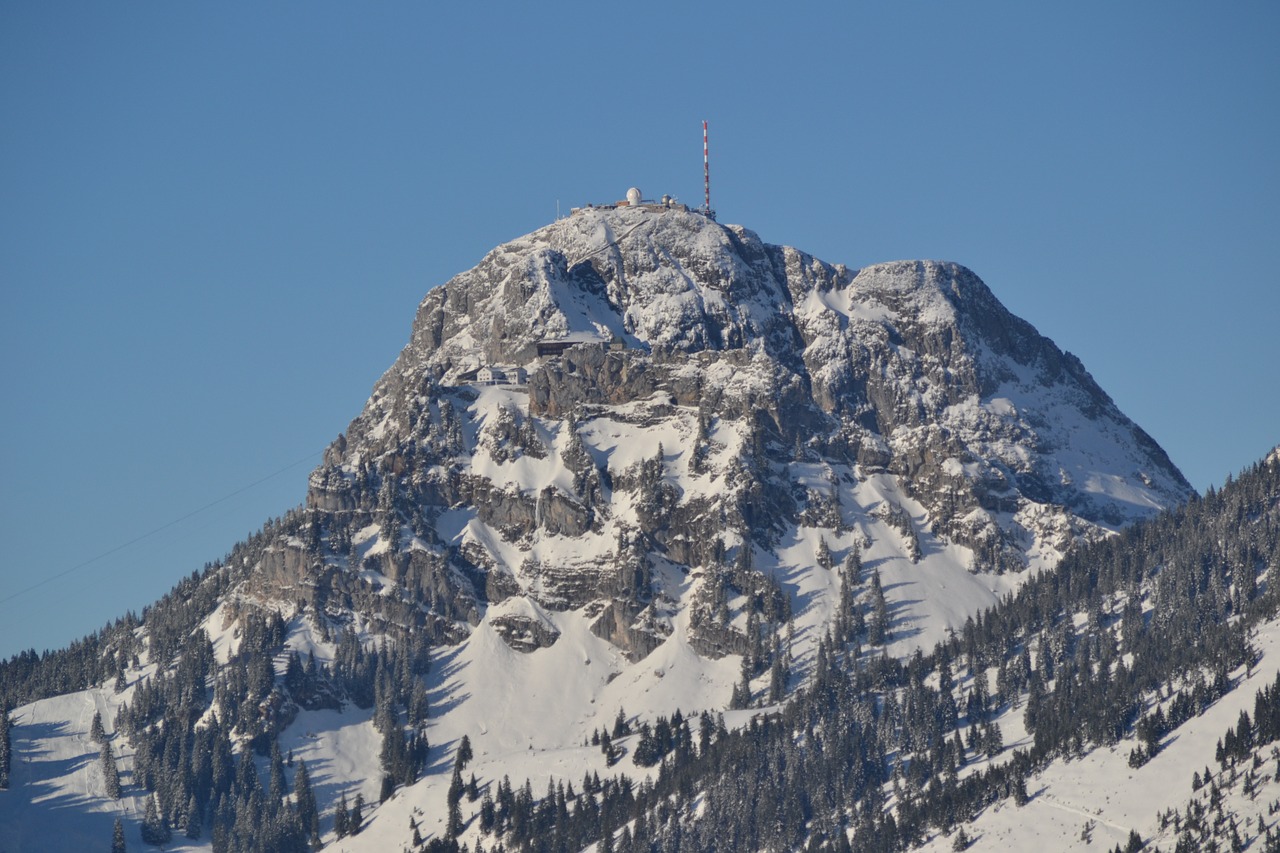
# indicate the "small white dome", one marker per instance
pixel 633 195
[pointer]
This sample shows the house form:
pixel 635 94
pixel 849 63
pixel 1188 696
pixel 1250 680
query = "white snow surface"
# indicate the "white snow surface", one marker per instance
pixel 528 714
pixel 526 719
pixel 1101 788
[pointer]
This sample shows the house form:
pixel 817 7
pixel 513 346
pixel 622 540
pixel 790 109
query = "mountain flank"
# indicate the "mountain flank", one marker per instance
pixel 637 473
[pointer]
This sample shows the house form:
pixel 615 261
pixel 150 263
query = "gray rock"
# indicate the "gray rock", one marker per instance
pixel 668 323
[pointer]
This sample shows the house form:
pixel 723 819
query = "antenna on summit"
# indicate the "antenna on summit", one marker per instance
pixel 706 175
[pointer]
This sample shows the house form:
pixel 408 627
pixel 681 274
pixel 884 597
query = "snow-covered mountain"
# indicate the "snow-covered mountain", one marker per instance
pixel 727 403
pixel 631 461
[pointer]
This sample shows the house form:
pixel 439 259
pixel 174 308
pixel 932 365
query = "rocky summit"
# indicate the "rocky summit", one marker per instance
pixel 668 428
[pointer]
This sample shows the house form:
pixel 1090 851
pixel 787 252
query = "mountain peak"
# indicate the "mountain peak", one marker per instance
pixel 674 391
pixel 640 459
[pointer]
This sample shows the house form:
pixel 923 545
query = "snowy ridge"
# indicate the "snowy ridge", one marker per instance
pixel 709 427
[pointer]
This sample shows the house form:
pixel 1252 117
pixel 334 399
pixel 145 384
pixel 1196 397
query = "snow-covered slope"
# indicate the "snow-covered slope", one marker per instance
pixel 688 433
pixel 1095 801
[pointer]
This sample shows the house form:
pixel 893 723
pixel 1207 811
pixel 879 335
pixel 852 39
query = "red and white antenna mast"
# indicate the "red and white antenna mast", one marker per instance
pixel 706 173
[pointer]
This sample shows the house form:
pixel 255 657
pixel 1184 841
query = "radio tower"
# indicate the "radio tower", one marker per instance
pixel 706 174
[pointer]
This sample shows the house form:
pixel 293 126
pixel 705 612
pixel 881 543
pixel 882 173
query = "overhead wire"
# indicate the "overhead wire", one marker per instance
pixel 134 541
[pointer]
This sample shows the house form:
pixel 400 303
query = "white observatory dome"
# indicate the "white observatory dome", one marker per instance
pixel 633 196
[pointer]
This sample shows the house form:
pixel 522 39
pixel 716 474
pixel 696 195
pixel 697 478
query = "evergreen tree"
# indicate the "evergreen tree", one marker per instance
pixel 117 837
pixel 96 733
pixel 294 676
pixel 356 822
pixel 342 819
pixel 741 697
pixel 304 799
pixel 454 826
pixel 620 726
pixel 488 813
pixel 993 739
pixel 194 818
pixel 824 555
pixel 1020 797
pixel 419 707
pixel 464 755
pixel 777 677
pixel 611 754
pixel 386 788
pixel 878 624
pixel 417 834
pixel 606 835
pixel 6 746
pixel 649 748
pixel 852 568
pixel 110 773
pixel 155 827
pixel 276 791
pixel 122 680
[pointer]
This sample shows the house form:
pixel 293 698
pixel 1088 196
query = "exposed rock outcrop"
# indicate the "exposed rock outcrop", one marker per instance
pixel 696 398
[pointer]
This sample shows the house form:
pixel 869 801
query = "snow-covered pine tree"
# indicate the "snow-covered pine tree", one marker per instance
pixel 464 756
pixel 6 746
pixel 304 799
pixel 620 726
pixel 778 674
pixel 454 826
pixel 488 813
pixel 356 822
pixel 96 733
pixel 419 708
pixel 878 624
pixel 342 818
pixel 155 829
pixel 194 820
pixel 110 774
pixel 824 557
pixel 276 790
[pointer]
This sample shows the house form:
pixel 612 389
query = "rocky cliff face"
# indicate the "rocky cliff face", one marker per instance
pixel 709 422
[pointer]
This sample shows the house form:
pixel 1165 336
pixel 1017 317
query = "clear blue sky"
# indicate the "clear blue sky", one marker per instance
pixel 216 220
